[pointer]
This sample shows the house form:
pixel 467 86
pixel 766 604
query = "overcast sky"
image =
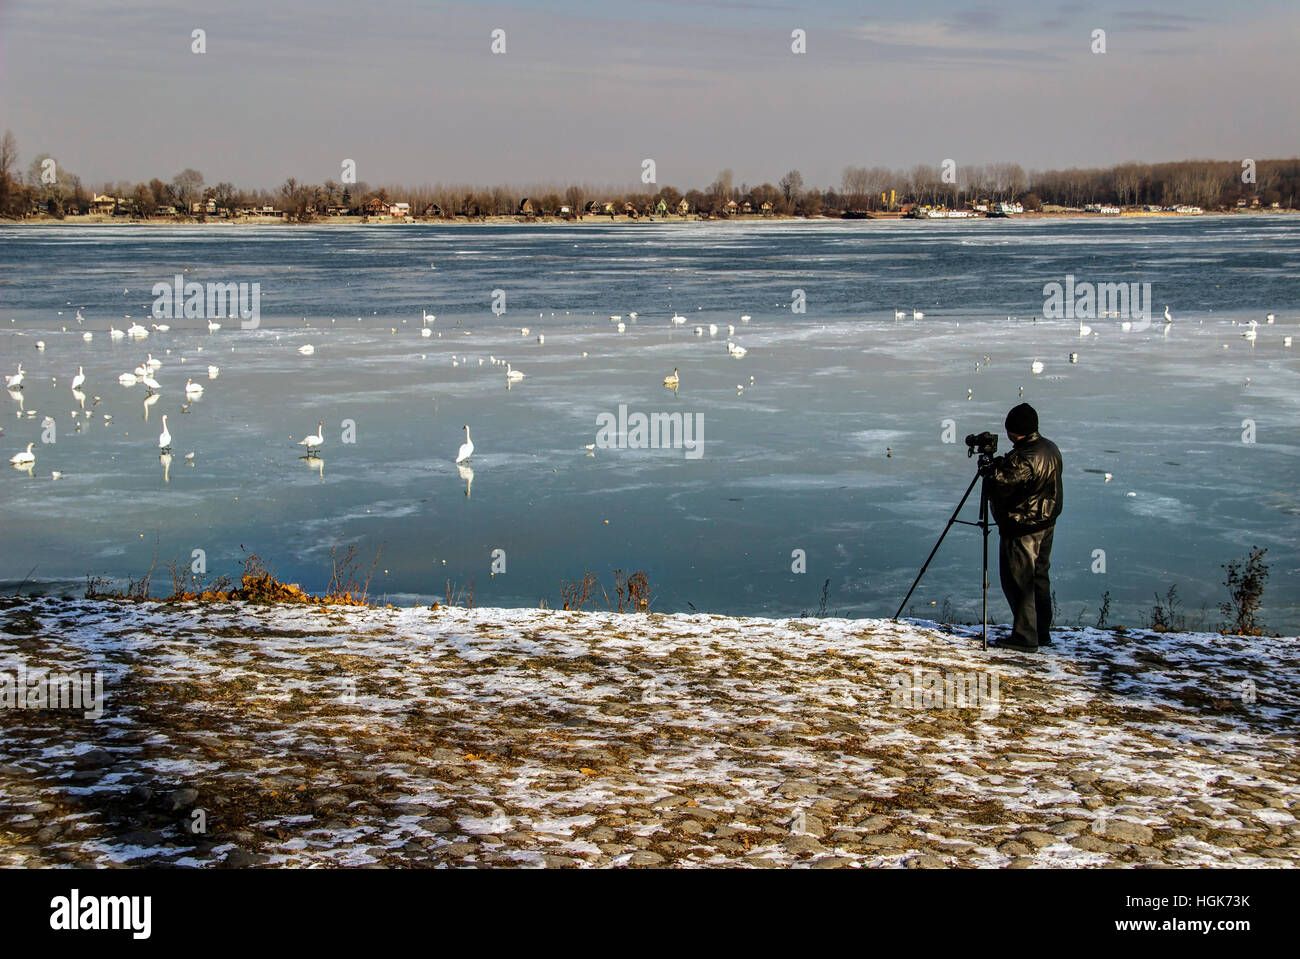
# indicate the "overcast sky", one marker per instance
pixel 589 88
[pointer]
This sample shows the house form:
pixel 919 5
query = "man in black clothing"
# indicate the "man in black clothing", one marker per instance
pixel 1026 495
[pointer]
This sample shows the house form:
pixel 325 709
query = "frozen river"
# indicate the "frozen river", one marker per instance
pixel 828 436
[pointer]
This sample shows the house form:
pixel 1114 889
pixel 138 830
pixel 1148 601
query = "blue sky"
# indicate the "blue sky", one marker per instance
pixel 586 90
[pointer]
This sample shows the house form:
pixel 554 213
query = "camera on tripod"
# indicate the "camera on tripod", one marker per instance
pixel 985 444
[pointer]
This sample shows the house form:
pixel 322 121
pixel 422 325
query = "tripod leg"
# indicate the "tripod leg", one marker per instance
pixel 952 519
pixel 984 528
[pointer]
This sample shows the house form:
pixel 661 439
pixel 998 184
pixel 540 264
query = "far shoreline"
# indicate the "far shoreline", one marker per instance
pixel 98 219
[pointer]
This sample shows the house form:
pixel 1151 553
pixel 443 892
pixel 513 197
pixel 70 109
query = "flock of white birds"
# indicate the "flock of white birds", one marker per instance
pixel 146 374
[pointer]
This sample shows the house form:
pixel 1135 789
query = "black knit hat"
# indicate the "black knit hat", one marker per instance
pixel 1022 420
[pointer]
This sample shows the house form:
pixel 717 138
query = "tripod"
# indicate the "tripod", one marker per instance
pixel 983 524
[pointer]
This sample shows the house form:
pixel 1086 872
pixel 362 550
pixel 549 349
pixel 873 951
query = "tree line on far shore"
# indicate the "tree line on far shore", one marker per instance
pixel 47 189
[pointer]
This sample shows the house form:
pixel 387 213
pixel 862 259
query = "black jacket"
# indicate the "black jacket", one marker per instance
pixel 1024 487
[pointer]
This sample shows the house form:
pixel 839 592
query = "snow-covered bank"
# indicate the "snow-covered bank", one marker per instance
pixel 302 736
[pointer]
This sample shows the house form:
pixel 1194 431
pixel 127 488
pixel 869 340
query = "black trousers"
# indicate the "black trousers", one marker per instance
pixel 1024 563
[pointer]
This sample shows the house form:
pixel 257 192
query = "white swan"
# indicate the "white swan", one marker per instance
pixel 15 382
pixel 314 442
pixel 900 314
pixel 918 315
pixel 1036 367
pixel 24 459
pixel 745 318
pixel 306 349
pixel 713 329
pixel 466 448
pixel 512 374
pixel 1270 318
pixel 152 363
pixel 672 381
pixel 1168 319
pixel 79 378
pixel 678 319
pixel 164 438
pixel 127 379
pixel 150 383
pixel 115 334
pixel 213 326
pixel 88 336
pixel 1084 329
pixel 622 327
pixel 213 371
pixel 136 331
pixel 192 388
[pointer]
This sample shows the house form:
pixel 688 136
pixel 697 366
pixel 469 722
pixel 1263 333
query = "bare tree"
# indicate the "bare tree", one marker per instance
pixel 792 186
pixel 187 184
pixel 721 187
pixel 8 164
pixel 855 182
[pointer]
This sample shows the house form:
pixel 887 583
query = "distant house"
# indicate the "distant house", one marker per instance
pixel 526 207
pixel 683 208
pixel 432 210
pixel 629 210
pixel 731 207
pixel 766 208
pixel 336 210
pixel 374 207
pixel 565 211
pixel 747 207
pixel 103 203
pixel 400 209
